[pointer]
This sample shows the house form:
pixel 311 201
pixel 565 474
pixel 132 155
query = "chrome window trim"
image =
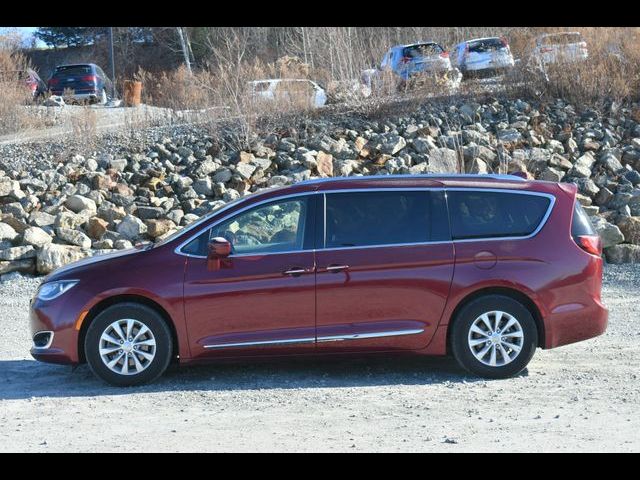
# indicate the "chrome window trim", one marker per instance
pixel 178 251
pixel 48 345
pixel 543 222
pixel 327 338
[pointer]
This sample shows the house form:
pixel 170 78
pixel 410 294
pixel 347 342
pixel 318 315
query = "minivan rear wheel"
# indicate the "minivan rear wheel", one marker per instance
pixel 128 344
pixel 494 336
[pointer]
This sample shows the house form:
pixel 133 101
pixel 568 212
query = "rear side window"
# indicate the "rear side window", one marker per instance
pixel 381 218
pixel 581 224
pixel 477 214
pixel 561 39
pixel 487 45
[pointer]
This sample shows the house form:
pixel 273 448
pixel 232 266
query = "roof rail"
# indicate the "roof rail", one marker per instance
pixel 434 176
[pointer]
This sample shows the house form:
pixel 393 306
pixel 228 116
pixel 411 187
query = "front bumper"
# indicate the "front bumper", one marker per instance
pixel 63 348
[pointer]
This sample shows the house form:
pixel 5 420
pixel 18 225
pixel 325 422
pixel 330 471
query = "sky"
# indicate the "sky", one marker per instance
pixel 27 33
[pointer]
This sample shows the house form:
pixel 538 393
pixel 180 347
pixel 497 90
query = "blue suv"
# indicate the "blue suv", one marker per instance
pixel 87 80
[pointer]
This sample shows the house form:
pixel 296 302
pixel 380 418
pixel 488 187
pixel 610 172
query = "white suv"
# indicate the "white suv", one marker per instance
pixel 486 55
pixel 560 47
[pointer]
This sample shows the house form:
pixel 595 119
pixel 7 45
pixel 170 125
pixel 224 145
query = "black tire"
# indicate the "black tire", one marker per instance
pixel 463 322
pixel 149 318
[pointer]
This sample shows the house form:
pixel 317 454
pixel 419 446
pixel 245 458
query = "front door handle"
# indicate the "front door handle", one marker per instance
pixel 337 268
pixel 295 271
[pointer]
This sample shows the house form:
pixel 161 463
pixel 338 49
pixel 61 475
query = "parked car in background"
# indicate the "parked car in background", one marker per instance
pixel 487 56
pixel 28 78
pixel 88 82
pixel 301 92
pixel 560 47
pixel 34 83
pixel 419 264
pixel 416 58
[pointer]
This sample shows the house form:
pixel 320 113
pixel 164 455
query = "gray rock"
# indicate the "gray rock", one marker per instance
pixel 245 170
pixel 223 175
pixel 74 237
pixel 41 219
pixel 122 244
pixel 7 232
pixel 18 253
pixel 551 174
pixel 118 165
pixel 26 265
pixel 9 187
pixel 132 228
pixel 37 237
pixel 424 144
pixel 78 203
pixel 147 213
pixel 69 220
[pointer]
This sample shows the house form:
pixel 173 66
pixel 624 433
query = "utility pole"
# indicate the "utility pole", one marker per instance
pixel 185 51
pixel 113 65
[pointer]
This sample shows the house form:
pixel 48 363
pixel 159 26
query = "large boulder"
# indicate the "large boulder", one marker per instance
pixel 630 228
pixel 131 228
pixel 53 256
pixel 623 253
pixel 443 160
pixel 609 233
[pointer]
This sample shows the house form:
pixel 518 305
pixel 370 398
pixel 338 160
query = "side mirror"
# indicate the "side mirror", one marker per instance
pixel 219 247
pixel 219 250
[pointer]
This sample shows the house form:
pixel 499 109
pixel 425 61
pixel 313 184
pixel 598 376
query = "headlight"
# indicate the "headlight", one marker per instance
pixel 49 291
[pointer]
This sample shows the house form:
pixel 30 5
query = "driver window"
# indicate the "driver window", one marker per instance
pixel 276 227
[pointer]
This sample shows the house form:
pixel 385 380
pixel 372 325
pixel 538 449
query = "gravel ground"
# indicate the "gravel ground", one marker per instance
pixel 582 397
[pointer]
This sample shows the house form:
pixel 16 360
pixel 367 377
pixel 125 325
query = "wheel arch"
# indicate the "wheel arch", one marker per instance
pixel 125 298
pixel 516 295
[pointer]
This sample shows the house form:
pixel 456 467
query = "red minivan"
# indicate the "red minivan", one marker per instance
pixel 483 267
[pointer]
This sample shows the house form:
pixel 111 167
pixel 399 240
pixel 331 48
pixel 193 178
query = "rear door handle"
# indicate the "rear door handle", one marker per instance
pixel 337 268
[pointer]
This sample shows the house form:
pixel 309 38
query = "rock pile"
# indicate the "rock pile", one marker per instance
pixel 54 210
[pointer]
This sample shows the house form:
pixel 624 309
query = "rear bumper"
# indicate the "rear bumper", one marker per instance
pixel 79 96
pixel 572 323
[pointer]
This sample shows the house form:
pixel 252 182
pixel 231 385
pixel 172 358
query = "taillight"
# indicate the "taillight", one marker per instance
pixel 89 78
pixel 405 59
pixel 546 49
pixel 53 81
pixel 505 44
pixel 590 244
pixel 444 55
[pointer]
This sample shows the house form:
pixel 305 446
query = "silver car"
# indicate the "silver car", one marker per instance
pixel 560 47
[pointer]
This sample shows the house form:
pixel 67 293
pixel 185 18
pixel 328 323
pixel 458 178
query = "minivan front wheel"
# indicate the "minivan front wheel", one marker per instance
pixel 494 337
pixel 128 344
